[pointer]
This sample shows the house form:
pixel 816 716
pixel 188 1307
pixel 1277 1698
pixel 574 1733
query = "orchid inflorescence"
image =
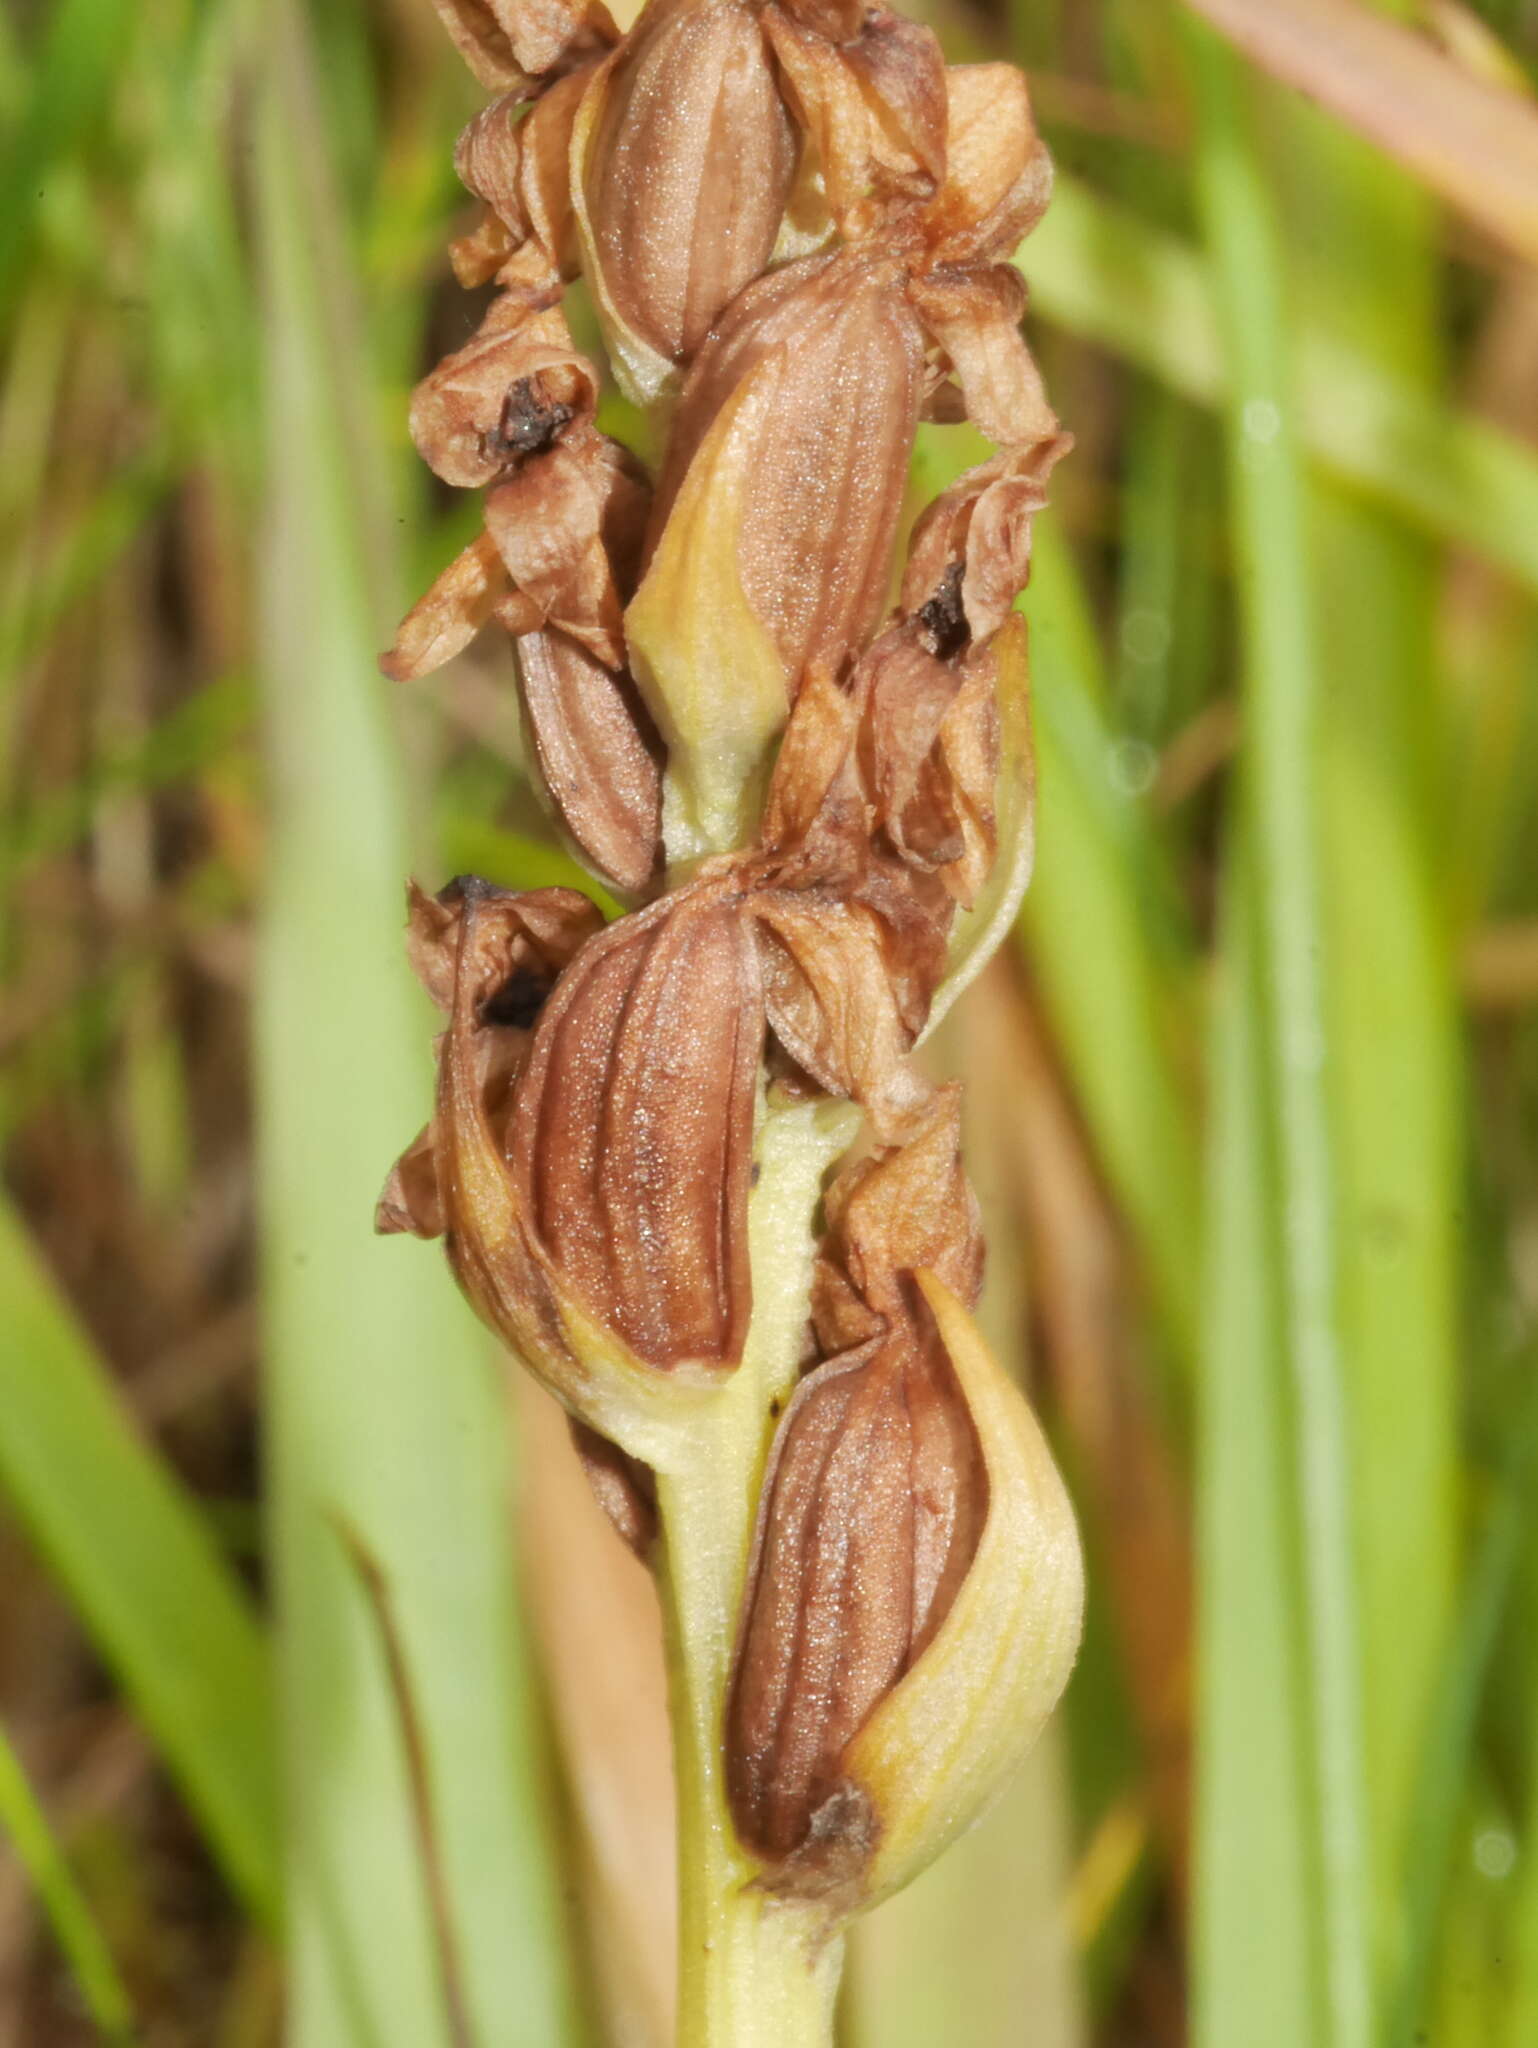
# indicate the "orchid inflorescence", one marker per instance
pixel 795 224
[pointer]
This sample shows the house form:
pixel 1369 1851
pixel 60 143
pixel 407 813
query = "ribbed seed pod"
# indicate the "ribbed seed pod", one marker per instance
pixel 682 164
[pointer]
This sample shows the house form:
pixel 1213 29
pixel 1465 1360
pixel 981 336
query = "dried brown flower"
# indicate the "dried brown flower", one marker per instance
pixel 685 156
pixel 871 1512
pixel 872 1508
pixel 827 359
pixel 631 1145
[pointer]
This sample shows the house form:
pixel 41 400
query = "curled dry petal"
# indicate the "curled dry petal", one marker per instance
pixel 831 1003
pixel 514 43
pixel 683 158
pixel 786 466
pixel 975 317
pixel 463 599
pixel 998 175
pixel 567 523
pixel 490 957
pixel 970 555
pixel 982 926
pixel 908 1208
pixel 597 754
pixel 930 755
pixel 506 394
pixel 836 21
pixel 632 1138
pixel 874 107
pixel 521 168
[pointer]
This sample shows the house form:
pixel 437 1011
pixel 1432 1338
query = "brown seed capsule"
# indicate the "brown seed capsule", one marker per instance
pixel 684 156
pixel 632 1136
pixel 872 1509
pixel 838 356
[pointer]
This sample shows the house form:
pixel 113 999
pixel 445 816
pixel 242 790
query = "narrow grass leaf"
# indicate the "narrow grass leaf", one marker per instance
pixel 69 1914
pixel 384 1407
pixel 1283 687
pixel 1101 273
pixel 139 1569
pixel 1396 1090
pixel 1254 1965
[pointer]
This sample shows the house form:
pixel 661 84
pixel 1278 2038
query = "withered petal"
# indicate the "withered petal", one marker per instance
pixel 975 317
pixel 875 110
pixel 998 175
pixel 410 1202
pixel 972 546
pixel 521 358
pixel 814 758
pixel 930 750
pixel 908 1208
pixel 514 43
pixel 688 164
pixel 487 157
pixel 522 941
pixel 632 1137
pixel 901 70
pixel 830 1002
pixel 567 524
pixel 448 618
pixel 598 756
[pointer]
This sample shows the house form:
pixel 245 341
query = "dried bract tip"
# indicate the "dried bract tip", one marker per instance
pixel 873 103
pixel 513 44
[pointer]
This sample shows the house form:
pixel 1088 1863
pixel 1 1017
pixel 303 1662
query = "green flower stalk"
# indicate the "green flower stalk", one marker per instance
pixel 796 225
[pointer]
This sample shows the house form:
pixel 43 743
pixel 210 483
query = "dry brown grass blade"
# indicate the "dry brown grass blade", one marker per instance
pixel 1469 140
pixel 594 1609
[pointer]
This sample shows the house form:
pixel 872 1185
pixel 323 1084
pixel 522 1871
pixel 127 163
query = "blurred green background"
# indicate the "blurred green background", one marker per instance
pixel 1255 1097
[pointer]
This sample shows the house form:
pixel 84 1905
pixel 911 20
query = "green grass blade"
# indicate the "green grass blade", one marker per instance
pixel 384 1406
pixel 1106 276
pixel 1254 1975
pixel 1393 1030
pixel 73 77
pixel 976 1951
pixel 69 1914
pixel 139 1569
pixel 1283 689
pixel 1112 961
pixel 1448 1752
